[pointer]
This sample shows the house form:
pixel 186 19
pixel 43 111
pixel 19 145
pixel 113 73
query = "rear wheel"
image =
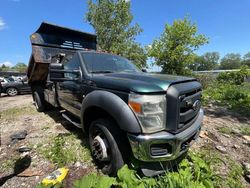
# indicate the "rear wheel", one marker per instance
pixel 12 91
pixel 105 138
pixel 39 101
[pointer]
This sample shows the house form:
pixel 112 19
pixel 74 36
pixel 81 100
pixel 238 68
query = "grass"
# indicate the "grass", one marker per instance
pixel 65 149
pixel 236 97
pixel 244 129
pixel 226 130
pixel 8 164
pixel 14 113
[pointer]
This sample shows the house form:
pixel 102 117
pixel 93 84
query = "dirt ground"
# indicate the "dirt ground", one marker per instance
pixel 224 133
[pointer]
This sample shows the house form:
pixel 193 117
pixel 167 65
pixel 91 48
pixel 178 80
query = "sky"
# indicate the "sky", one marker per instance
pixel 225 22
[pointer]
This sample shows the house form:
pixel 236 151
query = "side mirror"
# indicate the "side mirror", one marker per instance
pixel 144 70
pixel 57 73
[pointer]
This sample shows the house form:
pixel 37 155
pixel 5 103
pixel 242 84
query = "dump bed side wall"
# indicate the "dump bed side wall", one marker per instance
pixel 50 40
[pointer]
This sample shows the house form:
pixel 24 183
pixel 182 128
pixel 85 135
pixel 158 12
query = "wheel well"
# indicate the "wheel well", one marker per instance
pixel 11 87
pixel 36 87
pixel 93 113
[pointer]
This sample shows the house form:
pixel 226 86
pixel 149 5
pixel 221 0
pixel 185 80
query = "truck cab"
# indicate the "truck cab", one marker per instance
pixel 128 115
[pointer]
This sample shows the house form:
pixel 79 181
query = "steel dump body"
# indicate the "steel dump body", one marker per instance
pixel 48 42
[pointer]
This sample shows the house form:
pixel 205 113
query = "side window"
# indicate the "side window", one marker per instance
pixel 72 64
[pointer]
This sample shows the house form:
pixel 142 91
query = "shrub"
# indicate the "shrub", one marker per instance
pixel 206 80
pixel 236 77
pixel 236 97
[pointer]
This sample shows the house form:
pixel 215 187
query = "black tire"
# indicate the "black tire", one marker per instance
pixel 39 101
pixel 114 141
pixel 12 91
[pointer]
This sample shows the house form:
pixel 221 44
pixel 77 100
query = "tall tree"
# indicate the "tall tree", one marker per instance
pixel 207 61
pixel 20 67
pixel 231 61
pixel 111 20
pixel 175 48
pixel 246 59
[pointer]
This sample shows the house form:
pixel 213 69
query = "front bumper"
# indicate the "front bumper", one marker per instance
pixel 176 144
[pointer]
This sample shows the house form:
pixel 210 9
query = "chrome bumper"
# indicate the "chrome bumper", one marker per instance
pixel 179 143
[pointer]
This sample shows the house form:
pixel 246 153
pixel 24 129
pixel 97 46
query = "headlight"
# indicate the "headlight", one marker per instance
pixel 150 110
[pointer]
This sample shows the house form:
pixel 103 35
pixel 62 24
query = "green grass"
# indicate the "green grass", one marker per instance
pixel 201 169
pixel 245 130
pixel 14 113
pixel 236 97
pixel 226 130
pixel 65 149
pixel 7 164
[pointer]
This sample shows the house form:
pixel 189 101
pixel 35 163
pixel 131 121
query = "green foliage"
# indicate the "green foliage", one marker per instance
pixel 236 97
pixel 245 130
pixel 90 181
pixel 246 59
pixel 192 172
pixel 174 50
pixel 207 61
pixel 206 80
pixel 231 61
pixel 20 67
pixel 111 20
pixel 236 77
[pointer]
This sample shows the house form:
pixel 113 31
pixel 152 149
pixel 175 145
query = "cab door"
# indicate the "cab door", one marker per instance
pixel 70 93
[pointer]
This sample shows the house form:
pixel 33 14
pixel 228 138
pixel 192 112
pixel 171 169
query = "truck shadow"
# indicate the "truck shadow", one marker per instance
pixel 56 115
pixel 223 112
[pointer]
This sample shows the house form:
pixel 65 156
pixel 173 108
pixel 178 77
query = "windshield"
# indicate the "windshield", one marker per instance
pixel 107 63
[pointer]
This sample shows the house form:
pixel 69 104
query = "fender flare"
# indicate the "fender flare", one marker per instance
pixel 113 105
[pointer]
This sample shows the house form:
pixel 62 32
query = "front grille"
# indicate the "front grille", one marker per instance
pixel 183 105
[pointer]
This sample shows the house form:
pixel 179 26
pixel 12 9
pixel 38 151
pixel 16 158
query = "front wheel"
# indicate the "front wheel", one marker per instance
pixel 12 91
pixel 104 139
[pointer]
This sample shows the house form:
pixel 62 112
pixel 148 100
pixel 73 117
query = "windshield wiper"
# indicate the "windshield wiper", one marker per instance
pixel 102 71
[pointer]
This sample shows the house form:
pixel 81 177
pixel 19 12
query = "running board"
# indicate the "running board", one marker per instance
pixel 71 120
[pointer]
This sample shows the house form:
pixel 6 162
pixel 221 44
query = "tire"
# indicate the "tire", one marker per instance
pixel 39 101
pixel 12 91
pixel 110 159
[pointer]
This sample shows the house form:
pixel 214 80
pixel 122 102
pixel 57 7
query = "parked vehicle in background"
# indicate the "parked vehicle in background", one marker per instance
pixel 15 88
pixel 4 80
pixel 128 115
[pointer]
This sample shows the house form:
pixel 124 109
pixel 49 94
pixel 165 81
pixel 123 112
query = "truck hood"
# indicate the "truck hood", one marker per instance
pixel 137 82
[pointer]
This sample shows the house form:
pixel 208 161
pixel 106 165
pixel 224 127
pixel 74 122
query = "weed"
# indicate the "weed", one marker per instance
pixel 8 164
pixel 64 149
pixel 192 172
pixel 15 112
pixel 226 130
pixel 236 97
pixel 245 130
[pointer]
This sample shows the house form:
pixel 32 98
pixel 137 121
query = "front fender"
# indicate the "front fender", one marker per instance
pixel 114 106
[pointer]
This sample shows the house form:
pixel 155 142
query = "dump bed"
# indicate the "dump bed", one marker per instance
pixel 50 41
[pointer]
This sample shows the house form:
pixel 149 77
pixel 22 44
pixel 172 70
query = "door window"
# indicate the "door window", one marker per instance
pixel 72 64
